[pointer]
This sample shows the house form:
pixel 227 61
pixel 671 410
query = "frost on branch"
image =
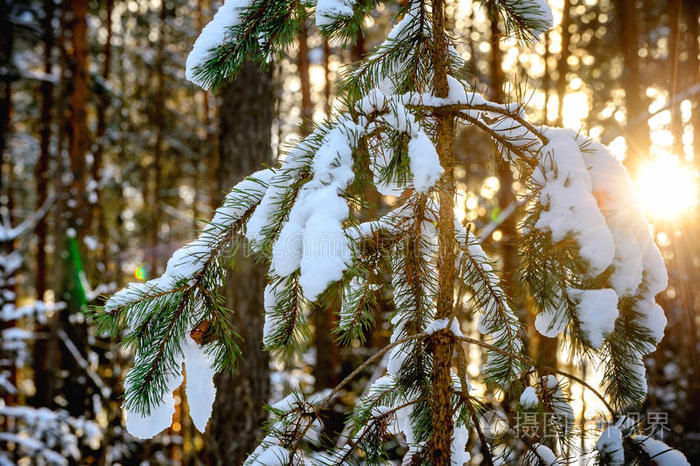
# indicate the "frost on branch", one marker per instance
pixel 227 16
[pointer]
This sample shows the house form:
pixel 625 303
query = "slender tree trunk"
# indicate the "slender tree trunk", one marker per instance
pixel 246 116
pixel 42 167
pixel 78 136
pixel 546 78
pixel 694 71
pixel 672 67
pixel 327 77
pixel 159 118
pixel 74 386
pixel 102 105
pixel 638 139
pixel 562 64
pixel 307 108
pixel 42 374
pixel 8 75
pixel 440 403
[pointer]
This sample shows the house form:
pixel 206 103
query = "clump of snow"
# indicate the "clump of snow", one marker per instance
pixel 609 446
pixel 329 11
pixel 541 14
pixel 550 323
pixel 570 209
pixel 423 158
pixel 542 454
pixel 653 317
pixel 199 388
pixel 424 161
pixel 292 166
pixel 636 257
pixel 313 238
pixel 274 455
pixel 459 444
pixel 596 311
pixel 441 324
pixel 638 267
pixel 145 426
pixel 528 399
pixel 662 454
pixel 214 34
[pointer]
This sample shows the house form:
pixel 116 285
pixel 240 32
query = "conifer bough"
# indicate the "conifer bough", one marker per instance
pixel 588 259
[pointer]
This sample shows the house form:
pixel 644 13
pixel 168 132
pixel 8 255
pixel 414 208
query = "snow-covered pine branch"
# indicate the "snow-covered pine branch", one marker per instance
pixel 167 318
pixel 589 261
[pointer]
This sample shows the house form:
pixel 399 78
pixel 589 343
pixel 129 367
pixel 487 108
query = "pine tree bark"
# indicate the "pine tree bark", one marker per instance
pixel 99 227
pixel 246 116
pixel 74 385
pixel 440 403
pixel 307 108
pixel 159 120
pixel 638 138
pixel 562 63
pixel 326 77
pixel 78 136
pixel 672 67
pixel 42 166
pixel 44 347
pixel 8 75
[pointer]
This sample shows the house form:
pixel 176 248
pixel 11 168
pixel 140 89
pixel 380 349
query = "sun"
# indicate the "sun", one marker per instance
pixel 667 189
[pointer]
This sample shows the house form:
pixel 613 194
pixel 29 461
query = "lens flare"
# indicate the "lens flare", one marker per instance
pixel 140 273
pixel 668 189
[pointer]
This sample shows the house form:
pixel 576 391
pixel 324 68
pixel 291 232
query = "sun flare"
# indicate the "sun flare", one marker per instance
pixel 668 189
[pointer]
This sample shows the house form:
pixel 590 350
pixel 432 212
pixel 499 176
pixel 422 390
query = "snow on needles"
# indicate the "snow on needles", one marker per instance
pixel 329 11
pixel 528 399
pixel 313 238
pixel 662 454
pixel 185 264
pixel 213 34
pixel 189 260
pixel 423 158
pixel 570 207
pixel 596 311
pixel 199 388
pixel 541 15
pixel 610 446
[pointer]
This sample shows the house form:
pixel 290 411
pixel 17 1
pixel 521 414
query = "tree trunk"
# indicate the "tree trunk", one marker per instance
pixel 98 216
pixel 638 139
pixel 546 78
pixel 42 362
pixel 440 402
pixel 159 118
pixel 42 167
pixel 246 115
pixel 6 64
pixel 78 135
pixel 74 384
pixel 562 64
pixel 307 108
pixel 326 77
pixel 672 64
